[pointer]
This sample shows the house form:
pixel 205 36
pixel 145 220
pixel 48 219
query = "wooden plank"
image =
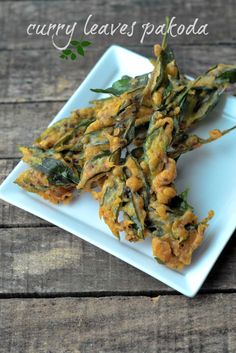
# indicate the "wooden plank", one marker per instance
pixel 40 75
pixel 22 123
pixel 52 261
pixel 117 324
pixel 22 13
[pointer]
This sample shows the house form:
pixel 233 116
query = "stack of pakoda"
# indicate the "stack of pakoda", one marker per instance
pixel 124 150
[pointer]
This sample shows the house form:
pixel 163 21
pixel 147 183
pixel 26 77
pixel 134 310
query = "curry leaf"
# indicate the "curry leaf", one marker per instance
pixel 159 260
pixel 51 164
pixel 73 56
pixel 75 43
pixel 227 76
pixel 85 43
pixel 179 203
pixel 126 83
pixel 67 51
pixel 57 172
pixel 80 50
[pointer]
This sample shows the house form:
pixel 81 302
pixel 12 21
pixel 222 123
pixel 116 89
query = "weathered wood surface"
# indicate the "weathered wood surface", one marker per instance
pixel 122 325
pixel 220 16
pixel 40 75
pixel 51 261
pixel 40 260
pixel 22 123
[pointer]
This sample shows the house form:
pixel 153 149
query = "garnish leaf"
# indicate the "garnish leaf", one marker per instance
pixel 67 51
pixel 86 43
pixel 80 50
pixel 75 43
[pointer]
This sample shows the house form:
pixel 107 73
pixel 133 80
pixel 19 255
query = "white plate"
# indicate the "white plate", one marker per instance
pixel 210 172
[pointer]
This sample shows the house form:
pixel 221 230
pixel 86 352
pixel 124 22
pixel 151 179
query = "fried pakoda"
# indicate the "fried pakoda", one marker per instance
pixel 124 150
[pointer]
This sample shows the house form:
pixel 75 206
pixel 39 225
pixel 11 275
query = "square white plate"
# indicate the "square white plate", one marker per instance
pixel 210 172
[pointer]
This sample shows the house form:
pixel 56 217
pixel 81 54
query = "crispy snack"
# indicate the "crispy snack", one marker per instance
pixel 124 150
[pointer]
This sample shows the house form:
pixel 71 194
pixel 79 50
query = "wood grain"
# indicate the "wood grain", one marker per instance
pixel 22 123
pixel 22 13
pixel 40 75
pixel 42 261
pixel 116 324
pixel 51 261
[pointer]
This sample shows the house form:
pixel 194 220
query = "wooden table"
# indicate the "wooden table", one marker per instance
pixel 59 294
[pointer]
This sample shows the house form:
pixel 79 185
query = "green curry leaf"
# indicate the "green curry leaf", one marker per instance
pixel 126 83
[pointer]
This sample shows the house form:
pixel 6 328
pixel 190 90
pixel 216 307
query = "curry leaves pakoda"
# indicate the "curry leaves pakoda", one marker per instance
pixel 124 150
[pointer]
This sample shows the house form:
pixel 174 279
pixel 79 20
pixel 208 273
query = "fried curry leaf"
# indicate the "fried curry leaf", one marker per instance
pixel 216 77
pixel 159 260
pixel 196 108
pixel 111 201
pixel 179 204
pixel 95 167
pixel 63 130
pixel 34 181
pixel 228 76
pixel 125 84
pixel 52 165
pixel 131 213
pixel 57 172
pixel 124 151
